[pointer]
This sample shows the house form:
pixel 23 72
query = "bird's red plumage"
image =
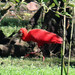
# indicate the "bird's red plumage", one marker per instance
pixel 40 36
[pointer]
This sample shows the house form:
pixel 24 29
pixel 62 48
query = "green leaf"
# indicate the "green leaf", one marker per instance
pixel 13 1
pixel 27 14
pixel 39 0
pixel 6 6
pixel 57 15
pixel 52 5
pixel 72 5
pixel 45 0
pixel 24 3
pixel 67 14
pixel 64 0
pixel 2 4
pixel 19 17
pixel 56 2
pixel 17 1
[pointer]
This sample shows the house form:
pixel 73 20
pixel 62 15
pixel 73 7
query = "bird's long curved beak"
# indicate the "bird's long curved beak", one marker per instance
pixel 17 35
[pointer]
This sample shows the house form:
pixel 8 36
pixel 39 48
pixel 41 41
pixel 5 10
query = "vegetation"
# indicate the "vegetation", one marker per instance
pixel 32 66
pixel 15 66
pixel 9 25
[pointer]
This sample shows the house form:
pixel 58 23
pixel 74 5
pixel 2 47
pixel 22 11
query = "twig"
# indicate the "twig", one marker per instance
pixel 70 46
pixel 4 15
pixel 64 38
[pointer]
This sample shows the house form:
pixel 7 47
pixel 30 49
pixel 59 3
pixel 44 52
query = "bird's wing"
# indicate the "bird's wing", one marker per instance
pixel 40 35
pixel 43 36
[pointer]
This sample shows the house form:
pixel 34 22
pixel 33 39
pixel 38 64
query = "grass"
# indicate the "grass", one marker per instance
pixel 30 66
pixel 29 71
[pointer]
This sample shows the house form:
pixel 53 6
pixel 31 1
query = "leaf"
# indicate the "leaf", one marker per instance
pixel 27 14
pixel 56 2
pixel 2 4
pixel 57 15
pixel 72 5
pixel 67 14
pixel 52 5
pixel 64 0
pixel 6 6
pixel 46 1
pixel 57 12
pixel 43 1
pixel 24 3
pixel 39 0
pixel 17 1
pixel 19 17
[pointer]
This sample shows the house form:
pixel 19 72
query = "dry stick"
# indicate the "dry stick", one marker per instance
pixel 4 15
pixel 62 62
pixel 70 46
pixel 0 17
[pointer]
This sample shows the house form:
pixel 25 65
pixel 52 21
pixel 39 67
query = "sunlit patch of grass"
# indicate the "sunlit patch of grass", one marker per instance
pixel 30 66
pixel 31 70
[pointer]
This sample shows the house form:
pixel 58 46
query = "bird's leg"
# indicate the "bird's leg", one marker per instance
pixel 43 58
pixel 36 49
pixel 26 55
pixel 43 51
pixel 31 53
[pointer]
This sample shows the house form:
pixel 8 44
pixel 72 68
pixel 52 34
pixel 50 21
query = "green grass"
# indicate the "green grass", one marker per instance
pixel 29 70
pixel 30 66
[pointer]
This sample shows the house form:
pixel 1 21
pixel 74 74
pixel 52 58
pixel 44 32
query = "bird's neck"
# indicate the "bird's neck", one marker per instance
pixel 24 36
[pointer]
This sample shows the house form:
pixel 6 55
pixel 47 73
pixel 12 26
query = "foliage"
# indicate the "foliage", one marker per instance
pixel 13 22
pixel 46 8
pixel 30 66
pixel 9 25
pixel 57 3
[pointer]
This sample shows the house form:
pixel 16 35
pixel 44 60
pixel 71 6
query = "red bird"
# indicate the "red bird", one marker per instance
pixel 40 36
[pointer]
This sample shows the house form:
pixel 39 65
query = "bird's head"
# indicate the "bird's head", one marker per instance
pixel 21 33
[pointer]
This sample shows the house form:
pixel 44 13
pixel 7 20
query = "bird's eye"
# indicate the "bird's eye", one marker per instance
pixel 20 31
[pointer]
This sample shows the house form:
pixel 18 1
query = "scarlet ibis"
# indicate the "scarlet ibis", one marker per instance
pixel 40 36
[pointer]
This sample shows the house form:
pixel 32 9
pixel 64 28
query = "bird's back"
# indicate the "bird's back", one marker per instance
pixel 39 35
